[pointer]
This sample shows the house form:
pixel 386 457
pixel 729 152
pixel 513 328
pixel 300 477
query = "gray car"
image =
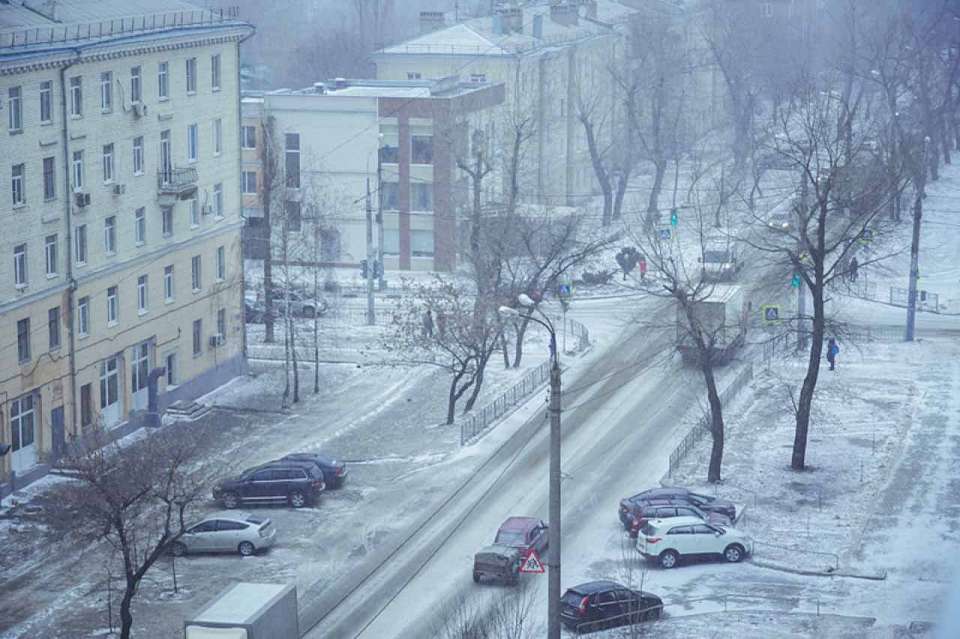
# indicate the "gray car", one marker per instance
pixel 228 531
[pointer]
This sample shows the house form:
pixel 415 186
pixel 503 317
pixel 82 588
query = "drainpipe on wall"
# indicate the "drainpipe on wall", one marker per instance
pixel 68 253
pixel 243 269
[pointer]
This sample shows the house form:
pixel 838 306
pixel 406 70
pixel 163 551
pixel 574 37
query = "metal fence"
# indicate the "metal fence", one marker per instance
pixel 926 301
pixel 777 347
pixel 702 426
pixel 474 425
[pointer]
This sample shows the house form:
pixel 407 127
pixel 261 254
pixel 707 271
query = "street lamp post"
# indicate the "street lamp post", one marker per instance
pixel 553 533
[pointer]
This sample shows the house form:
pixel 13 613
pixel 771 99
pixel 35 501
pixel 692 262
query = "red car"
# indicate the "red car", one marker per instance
pixel 523 533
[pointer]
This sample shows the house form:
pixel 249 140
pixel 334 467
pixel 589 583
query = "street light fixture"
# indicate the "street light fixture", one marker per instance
pixel 553 533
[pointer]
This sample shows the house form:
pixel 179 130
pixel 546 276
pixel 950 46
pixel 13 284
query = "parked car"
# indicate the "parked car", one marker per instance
pixel 669 540
pixel 296 483
pixel 226 532
pixel 607 604
pixel 334 472
pixel 301 304
pixel 703 502
pixel 497 562
pixel 523 533
pixel 667 508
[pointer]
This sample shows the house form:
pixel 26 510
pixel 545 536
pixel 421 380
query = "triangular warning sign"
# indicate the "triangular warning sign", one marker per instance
pixel 532 563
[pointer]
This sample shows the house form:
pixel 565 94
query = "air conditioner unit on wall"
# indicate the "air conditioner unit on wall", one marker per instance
pixel 119 189
pixel 216 340
pixel 81 199
pixel 139 110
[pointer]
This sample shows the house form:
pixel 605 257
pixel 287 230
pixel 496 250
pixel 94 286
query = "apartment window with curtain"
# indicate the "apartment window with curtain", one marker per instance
pixel 192 143
pixel 15 109
pixel 168 283
pixel 78 170
pixel 248 137
pixel 113 306
pixel 142 294
pixel 195 274
pixel 110 235
pixel 292 159
pixel 140 226
pixel 390 195
pixel 166 221
pixel 163 80
pixel 107 163
pixel 197 337
pixel 218 136
pixel 76 96
pixel 23 340
pixel 20 265
pixel 215 72
pixel 222 323
pixel 80 244
pixel 421 196
pixel 106 91
pixel 49 179
pixel 248 182
pixel 421 149
pixel 46 102
pixel 17 187
pixel 51 260
pixel 83 316
pixel 191 76
pixel 194 207
pixel 221 263
pixel 138 155
pixel 136 85
pixel 218 199
pixel 53 327
pixel 421 243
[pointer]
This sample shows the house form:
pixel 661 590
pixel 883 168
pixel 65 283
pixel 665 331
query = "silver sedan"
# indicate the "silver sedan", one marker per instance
pixel 228 531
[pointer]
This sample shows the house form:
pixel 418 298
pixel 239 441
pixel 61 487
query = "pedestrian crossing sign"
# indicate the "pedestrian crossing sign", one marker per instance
pixel 532 563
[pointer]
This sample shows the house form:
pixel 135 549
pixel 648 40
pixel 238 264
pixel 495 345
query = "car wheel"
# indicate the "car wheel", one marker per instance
pixel 733 553
pixel 178 549
pixel 297 499
pixel 246 548
pixel 668 559
pixel 231 500
pixel 476 577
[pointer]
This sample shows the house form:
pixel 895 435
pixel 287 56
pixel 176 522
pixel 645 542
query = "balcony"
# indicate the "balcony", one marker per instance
pixel 176 184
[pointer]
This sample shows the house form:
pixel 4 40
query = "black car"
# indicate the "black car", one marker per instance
pixel 703 502
pixel 639 512
pixel 296 483
pixel 334 472
pixel 606 604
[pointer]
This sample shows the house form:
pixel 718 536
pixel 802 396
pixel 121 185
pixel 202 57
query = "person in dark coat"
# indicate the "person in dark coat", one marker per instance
pixel 852 269
pixel 428 324
pixel 832 351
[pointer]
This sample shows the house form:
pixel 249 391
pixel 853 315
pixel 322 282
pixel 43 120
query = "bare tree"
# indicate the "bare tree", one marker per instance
pixel 507 616
pixel 135 499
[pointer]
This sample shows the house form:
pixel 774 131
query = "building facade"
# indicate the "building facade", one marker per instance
pixel 121 263
pixel 337 142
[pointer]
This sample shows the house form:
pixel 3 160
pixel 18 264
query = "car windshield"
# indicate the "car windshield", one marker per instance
pixel 510 538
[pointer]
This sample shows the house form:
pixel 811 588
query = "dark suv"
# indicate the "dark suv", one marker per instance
pixel 334 472
pixel 640 512
pixel 606 604
pixel 703 502
pixel 296 483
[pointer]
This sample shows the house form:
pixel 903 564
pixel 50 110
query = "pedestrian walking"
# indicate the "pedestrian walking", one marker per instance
pixel 428 323
pixel 643 268
pixel 441 325
pixel 832 351
pixel 854 266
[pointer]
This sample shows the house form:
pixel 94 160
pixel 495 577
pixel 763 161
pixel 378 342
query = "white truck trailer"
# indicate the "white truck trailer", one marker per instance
pixel 248 611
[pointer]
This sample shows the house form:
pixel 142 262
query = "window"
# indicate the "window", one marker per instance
pixel 86 405
pixel 80 244
pixel 76 96
pixel 390 192
pixel 106 92
pixel 195 274
pixel 22 422
pixel 391 242
pixel 166 220
pixel 681 530
pixel 142 294
pixel 171 366
pixel 49 179
pixel 107 163
pixel 191 75
pixel 413 75
pixel 14 110
pixel 140 226
pixel 50 255
pixel 389 154
pixel 83 316
pixel 221 263
pixel 109 381
pixel 421 196
pixel 222 323
pixel 166 157
pixel 248 182
pixel 168 283
pixel 20 265
pixel 421 243
pixel 197 337
pixel 703 530
pixel 77 170
pixel 53 327
pixel 767 10
pixel 113 306
pixel 291 210
pixel 23 340
pixel 248 137
pixel 292 159
pixel 194 205
pixel 330 244
pixel 163 81
pixel 192 143
pixel 218 199
pixel 136 85
pixel 110 235
pixel 138 155
pixel 46 102
pixel 218 136
pixel 215 72
pixel 139 366
pixel 17 192
pixel 421 149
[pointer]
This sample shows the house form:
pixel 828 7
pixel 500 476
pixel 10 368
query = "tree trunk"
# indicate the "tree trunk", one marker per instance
pixel 505 349
pixel 293 358
pixel 653 205
pixel 599 170
pixel 521 332
pixel 126 618
pixel 798 460
pixel 716 418
pixel 452 397
pixel 620 193
pixel 477 385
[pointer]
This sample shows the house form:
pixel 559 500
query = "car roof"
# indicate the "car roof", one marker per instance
pixel 312 456
pixel 676 521
pixel 520 524
pixel 228 514
pixel 498 549
pixel 597 586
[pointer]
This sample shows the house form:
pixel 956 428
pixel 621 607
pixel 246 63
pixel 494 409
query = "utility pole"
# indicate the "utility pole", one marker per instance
pixel 920 183
pixel 381 283
pixel 553 534
pixel 371 313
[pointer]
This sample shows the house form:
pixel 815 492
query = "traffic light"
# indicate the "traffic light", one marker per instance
pixel 795 282
pixel 363 268
pixel 674 218
pixel 377 269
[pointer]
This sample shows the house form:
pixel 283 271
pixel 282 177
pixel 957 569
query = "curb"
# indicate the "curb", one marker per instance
pixel 880 576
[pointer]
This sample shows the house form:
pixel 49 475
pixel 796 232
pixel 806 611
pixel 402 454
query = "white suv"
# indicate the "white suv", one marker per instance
pixel 669 539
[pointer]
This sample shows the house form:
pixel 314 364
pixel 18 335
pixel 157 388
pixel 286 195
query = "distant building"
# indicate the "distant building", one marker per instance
pixel 121 213
pixel 334 140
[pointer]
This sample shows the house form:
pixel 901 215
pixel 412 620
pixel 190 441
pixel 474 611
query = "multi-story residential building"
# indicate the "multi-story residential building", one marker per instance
pixel 555 60
pixel 335 142
pixel 120 263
